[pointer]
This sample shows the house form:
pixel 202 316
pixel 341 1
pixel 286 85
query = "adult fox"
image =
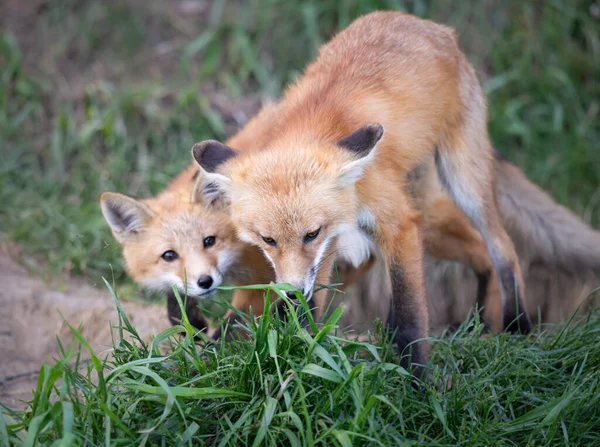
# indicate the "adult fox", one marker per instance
pixel 390 81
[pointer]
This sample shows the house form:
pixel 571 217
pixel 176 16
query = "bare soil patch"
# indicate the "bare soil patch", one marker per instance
pixel 30 321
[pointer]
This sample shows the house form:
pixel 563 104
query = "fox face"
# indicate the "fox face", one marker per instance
pixel 169 242
pixel 292 203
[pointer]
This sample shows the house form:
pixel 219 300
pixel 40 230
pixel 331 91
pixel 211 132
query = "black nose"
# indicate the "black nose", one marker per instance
pixel 291 294
pixel 205 282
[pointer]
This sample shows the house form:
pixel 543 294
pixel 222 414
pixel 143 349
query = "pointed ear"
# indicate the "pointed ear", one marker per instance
pixel 125 215
pixel 362 143
pixel 211 154
pixel 211 189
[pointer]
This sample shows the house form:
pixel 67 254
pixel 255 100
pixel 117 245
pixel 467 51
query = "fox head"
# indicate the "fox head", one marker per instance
pixel 293 201
pixel 168 241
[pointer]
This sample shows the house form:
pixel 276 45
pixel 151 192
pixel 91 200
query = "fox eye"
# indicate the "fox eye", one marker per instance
pixel 170 256
pixel 312 235
pixel 270 241
pixel 209 241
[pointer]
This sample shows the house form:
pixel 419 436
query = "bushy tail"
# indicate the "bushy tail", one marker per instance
pixel 542 230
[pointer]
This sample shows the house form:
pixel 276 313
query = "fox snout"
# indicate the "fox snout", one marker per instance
pixel 205 281
pixel 303 281
pixel 291 294
pixel 202 285
pixel 206 284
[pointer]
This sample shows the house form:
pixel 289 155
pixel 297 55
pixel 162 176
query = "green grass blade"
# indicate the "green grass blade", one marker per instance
pixel 322 373
pixel 189 432
pixel 177 391
pixel 291 437
pixel 342 437
pixel 270 407
pixel 439 413
pixel 321 353
pixel 3 430
pixel 273 337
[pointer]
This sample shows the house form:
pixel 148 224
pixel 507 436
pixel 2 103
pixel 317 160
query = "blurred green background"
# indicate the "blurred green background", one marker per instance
pixel 111 95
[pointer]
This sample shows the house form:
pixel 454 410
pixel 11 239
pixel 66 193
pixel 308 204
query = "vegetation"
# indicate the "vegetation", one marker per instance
pixel 286 385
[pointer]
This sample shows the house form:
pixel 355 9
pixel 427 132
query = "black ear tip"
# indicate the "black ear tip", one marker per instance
pixel 377 130
pixel 210 154
pixel 361 141
pixel 200 148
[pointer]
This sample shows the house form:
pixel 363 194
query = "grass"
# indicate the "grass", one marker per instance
pixel 284 384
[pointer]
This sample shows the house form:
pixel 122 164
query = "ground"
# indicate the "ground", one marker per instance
pixel 34 314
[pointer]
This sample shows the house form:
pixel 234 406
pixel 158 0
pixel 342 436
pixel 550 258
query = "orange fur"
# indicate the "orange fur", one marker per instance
pixel 447 233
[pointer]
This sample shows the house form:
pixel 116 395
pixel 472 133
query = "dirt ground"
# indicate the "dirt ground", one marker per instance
pixel 31 319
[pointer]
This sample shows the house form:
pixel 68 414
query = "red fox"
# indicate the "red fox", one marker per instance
pixel 383 96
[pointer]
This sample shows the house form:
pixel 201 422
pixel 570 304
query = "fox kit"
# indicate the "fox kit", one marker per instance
pixel 171 240
pixel 382 97
pixel 168 241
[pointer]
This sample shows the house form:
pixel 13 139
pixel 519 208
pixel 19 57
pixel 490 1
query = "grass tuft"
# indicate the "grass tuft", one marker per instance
pixel 284 382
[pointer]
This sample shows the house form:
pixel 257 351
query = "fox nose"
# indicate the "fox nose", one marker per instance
pixel 205 282
pixel 291 294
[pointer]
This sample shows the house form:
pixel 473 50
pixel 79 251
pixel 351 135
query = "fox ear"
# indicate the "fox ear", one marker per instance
pixel 211 188
pixel 125 215
pixel 211 154
pixel 362 143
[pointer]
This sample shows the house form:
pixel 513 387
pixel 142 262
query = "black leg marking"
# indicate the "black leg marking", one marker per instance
pixel 483 280
pixel 191 309
pixel 516 319
pixel 218 333
pixel 409 322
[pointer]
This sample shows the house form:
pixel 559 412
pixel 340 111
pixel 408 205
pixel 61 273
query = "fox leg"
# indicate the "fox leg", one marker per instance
pixel 449 235
pixel 324 276
pixel 191 309
pixel 476 198
pixel 464 161
pixel 401 243
pixel 244 299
